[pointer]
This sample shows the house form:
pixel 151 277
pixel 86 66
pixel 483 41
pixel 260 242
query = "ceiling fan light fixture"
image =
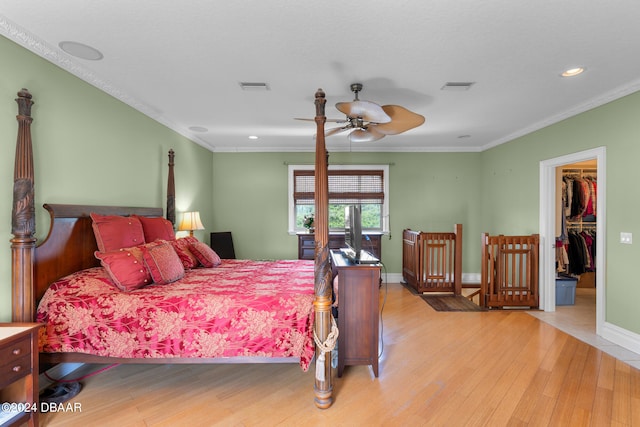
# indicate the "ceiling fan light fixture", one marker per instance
pixel 572 72
pixel 365 135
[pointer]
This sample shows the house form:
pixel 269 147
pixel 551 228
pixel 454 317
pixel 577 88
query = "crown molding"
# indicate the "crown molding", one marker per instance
pixel 57 57
pixel 610 96
pixel 62 60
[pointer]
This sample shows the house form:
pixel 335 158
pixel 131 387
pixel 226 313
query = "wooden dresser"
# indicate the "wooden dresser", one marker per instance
pixel 19 373
pixel 358 312
pixel 371 242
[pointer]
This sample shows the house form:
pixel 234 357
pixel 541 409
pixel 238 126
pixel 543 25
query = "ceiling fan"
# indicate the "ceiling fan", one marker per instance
pixel 369 122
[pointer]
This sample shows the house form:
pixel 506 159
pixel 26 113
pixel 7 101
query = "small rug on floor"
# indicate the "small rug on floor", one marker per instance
pixel 450 303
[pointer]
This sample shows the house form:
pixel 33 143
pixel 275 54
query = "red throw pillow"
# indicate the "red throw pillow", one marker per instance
pixel 206 256
pixel 126 268
pixel 156 228
pixel 115 232
pixel 163 262
pixel 181 246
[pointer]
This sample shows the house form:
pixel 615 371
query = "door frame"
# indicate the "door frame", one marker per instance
pixel 548 223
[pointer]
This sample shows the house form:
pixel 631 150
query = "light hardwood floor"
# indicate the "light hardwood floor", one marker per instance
pixel 499 368
pixel 579 320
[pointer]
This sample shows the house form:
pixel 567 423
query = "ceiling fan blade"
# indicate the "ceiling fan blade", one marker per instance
pixel 401 120
pixel 335 131
pixel 368 111
pixel 365 135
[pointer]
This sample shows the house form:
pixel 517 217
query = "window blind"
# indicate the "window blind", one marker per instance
pixel 345 187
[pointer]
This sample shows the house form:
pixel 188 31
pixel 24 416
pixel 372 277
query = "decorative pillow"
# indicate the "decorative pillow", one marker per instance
pixel 156 228
pixel 126 268
pixel 115 232
pixel 181 246
pixel 163 262
pixel 206 256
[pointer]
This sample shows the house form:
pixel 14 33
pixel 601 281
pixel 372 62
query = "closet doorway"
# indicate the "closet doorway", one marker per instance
pixel 550 206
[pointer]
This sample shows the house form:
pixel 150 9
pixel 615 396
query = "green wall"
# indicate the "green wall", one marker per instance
pixel 510 189
pixel 89 148
pixel 92 148
pixel 496 191
pixel 428 191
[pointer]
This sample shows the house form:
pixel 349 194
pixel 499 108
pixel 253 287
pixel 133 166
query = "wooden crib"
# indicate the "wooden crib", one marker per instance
pixel 432 261
pixel 509 276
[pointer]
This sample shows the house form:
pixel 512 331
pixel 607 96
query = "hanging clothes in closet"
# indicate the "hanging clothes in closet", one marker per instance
pixel 581 251
pixel 576 244
pixel 579 197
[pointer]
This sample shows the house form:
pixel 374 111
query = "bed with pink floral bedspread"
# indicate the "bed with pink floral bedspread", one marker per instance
pixel 153 324
pixel 240 308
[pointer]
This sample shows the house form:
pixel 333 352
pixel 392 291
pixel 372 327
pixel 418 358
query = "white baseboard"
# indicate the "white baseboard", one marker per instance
pixel 471 278
pixel 622 337
pixel 392 277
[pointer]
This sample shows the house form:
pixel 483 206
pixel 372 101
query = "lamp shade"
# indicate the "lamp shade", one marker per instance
pixel 190 221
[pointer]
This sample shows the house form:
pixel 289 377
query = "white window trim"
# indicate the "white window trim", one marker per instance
pixel 385 205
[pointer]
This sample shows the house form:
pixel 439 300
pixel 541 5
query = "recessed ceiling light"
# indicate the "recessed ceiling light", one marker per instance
pixel 81 51
pixel 253 137
pixel 573 72
pixel 198 129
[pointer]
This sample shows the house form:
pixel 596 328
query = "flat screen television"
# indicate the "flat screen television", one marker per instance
pixel 353 229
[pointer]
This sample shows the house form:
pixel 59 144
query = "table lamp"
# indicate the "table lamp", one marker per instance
pixel 190 221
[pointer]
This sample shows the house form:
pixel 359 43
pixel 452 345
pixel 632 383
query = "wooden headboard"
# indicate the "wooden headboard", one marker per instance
pixel 71 243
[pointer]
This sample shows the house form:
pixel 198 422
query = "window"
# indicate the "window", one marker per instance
pixel 364 185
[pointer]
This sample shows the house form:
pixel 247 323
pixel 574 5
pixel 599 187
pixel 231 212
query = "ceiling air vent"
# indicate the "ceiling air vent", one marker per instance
pixel 457 86
pixel 254 86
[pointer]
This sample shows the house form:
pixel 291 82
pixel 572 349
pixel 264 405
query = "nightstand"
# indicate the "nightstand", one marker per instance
pixel 19 373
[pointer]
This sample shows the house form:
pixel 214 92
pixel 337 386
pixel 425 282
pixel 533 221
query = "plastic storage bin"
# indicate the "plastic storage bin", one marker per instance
pixel 566 290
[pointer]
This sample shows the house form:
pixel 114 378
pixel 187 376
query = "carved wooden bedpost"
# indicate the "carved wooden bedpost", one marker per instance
pixel 171 191
pixel 323 387
pixel 23 224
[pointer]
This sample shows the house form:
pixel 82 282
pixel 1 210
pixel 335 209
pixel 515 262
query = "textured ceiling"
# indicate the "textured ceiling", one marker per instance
pixel 181 63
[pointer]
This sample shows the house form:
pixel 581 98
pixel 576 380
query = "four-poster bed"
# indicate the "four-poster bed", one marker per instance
pixel 70 250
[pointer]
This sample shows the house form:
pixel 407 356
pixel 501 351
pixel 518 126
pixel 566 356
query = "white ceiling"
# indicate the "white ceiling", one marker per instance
pixel 181 63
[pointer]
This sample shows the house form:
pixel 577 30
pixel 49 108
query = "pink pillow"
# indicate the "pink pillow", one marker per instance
pixel 181 246
pixel 206 256
pixel 126 268
pixel 163 262
pixel 156 228
pixel 115 232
